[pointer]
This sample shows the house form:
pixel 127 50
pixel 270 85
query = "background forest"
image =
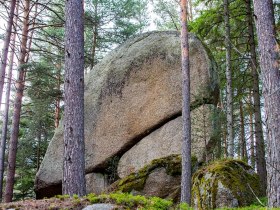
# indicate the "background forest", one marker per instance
pixel 33 96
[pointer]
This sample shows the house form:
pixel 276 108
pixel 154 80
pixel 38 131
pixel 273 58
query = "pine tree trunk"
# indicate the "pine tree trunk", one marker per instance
pixel 17 107
pixel 39 137
pixel 243 148
pixel 260 150
pixel 252 139
pixel 7 107
pixel 74 149
pixel 230 140
pixel 269 63
pixel 57 100
pixel 95 34
pixel 186 146
pixel 6 47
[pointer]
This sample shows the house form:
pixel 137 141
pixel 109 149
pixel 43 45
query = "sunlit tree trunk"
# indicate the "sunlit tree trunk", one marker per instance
pixel 186 146
pixel 270 64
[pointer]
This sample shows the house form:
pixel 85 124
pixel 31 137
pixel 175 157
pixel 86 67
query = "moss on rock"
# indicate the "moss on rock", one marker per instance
pixel 136 181
pixel 224 183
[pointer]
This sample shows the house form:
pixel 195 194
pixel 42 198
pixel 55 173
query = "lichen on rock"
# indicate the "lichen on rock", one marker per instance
pixel 224 183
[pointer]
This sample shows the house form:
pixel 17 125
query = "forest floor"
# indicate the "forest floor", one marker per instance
pixel 47 204
pixel 120 200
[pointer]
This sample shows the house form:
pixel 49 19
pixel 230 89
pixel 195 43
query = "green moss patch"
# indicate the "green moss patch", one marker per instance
pixel 234 175
pixel 136 181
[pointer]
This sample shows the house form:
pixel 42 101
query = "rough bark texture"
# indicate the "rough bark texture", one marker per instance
pixel 269 62
pixel 17 107
pixel 74 161
pixel 186 145
pixel 260 151
pixel 6 111
pixel 6 46
pixel 229 108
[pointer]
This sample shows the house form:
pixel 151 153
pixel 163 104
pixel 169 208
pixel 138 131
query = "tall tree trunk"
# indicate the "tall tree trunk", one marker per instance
pixel 57 100
pixel 39 137
pixel 74 147
pixel 260 150
pixel 7 107
pixel 17 107
pixel 6 47
pixel 230 139
pixel 186 146
pixel 252 139
pixel 243 147
pixel 190 10
pixel 270 64
pixel 95 34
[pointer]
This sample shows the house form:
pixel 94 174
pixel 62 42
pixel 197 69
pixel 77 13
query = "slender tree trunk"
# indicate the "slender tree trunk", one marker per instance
pixel 243 147
pixel 186 147
pixel 39 137
pixel 230 139
pixel 190 10
pixel 95 34
pixel 252 139
pixel 74 147
pixel 260 150
pixel 270 64
pixel 57 100
pixel 7 106
pixel 6 46
pixel 17 107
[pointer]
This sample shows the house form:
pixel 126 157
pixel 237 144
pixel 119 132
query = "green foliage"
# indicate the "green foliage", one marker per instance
pixel 168 14
pixel 130 201
pixel 109 23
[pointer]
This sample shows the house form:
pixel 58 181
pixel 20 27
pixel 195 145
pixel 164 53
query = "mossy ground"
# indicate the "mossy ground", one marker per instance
pixel 121 200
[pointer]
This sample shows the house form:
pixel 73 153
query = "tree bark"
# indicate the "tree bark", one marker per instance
pixel 186 146
pixel 74 162
pixel 7 107
pixel 260 150
pixel 6 47
pixel 17 107
pixel 57 100
pixel 95 34
pixel 229 108
pixel 269 63
pixel 243 147
pixel 252 139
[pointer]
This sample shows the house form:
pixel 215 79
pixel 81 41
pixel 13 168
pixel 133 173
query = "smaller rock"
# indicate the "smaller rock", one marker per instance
pixel 96 183
pixel 101 206
pixel 224 183
pixel 160 184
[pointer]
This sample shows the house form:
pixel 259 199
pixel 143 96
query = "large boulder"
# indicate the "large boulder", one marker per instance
pixel 225 183
pixel 167 140
pixel 134 91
